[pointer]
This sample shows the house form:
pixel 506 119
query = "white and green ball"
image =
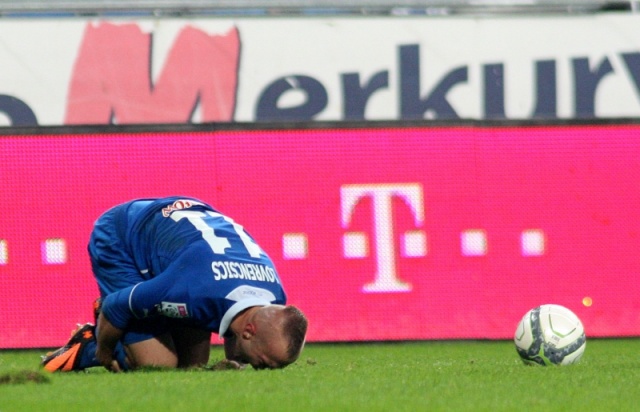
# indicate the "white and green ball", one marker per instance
pixel 550 335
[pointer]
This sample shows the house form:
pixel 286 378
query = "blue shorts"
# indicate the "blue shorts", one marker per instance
pixel 114 268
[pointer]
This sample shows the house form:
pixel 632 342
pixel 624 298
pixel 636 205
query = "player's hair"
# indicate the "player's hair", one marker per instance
pixel 295 327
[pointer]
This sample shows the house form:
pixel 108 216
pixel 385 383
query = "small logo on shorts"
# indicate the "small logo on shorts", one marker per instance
pixel 173 310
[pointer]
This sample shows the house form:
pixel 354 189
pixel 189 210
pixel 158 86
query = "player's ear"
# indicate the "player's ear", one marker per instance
pixel 249 331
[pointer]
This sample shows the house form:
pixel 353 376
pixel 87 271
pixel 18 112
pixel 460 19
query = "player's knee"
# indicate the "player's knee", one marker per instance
pixel 152 353
pixel 152 360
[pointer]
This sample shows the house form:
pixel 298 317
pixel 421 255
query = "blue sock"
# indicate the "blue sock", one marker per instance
pixel 88 356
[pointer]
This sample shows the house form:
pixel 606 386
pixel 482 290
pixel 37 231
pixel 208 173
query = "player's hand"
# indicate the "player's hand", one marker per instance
pixel 227 364
pixel 105 357
pixel 114 367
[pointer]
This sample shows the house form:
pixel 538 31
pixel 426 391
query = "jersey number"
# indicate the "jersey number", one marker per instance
pixel 218 244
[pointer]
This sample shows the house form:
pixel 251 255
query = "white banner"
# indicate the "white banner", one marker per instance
pixel 75 71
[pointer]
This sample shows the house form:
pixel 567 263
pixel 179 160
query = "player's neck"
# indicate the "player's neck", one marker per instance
pixel 241 319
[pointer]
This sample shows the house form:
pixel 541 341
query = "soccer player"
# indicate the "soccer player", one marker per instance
pixel 170 272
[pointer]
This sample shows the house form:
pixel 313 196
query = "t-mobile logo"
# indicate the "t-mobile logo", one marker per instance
pixel 355 243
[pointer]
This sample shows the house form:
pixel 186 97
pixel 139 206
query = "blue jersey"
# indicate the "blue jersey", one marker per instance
pixel 194 264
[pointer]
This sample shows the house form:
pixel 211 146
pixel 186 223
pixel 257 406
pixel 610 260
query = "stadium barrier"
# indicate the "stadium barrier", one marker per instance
pixel 380 231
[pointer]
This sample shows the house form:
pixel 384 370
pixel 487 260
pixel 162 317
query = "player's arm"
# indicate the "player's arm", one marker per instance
pixel 116 312
pixel 107 338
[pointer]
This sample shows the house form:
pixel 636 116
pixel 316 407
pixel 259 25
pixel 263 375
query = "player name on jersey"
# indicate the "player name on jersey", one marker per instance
pixel 235 270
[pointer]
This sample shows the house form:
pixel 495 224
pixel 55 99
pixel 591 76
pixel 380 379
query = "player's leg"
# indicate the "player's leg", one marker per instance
pixel 79 352
pixel 161 342
pixel 112 266
pixel 113 270
pixel 70 356
pixel 158 351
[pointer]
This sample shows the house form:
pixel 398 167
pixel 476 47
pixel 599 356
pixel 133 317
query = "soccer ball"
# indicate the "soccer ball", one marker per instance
pixel 550 335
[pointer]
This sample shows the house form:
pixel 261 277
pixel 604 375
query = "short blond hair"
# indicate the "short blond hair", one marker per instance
pixel 295 330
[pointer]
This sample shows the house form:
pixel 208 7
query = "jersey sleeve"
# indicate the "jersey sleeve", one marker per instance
pixel 142 300
pixel 115 307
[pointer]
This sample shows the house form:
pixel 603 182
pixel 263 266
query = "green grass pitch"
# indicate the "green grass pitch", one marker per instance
pixel 401 376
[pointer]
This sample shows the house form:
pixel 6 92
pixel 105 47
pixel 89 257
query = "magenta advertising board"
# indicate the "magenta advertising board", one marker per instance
pixel 378 233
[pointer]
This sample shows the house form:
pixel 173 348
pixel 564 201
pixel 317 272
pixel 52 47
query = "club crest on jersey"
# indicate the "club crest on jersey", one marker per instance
pixel 178 205
pixel 173 309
